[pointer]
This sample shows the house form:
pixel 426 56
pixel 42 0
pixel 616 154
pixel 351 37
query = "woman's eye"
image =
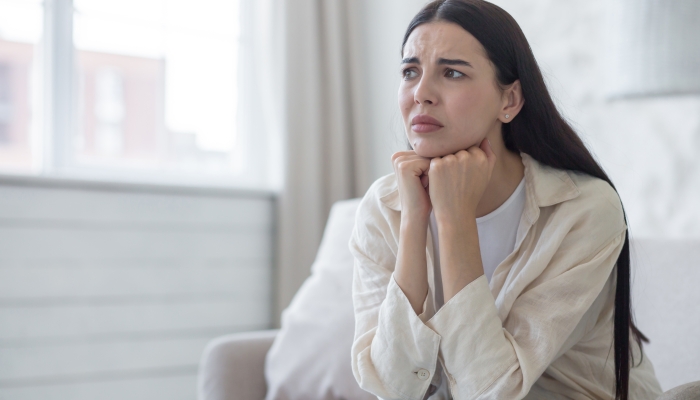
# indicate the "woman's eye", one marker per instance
pixel 409 73
pixel 453 74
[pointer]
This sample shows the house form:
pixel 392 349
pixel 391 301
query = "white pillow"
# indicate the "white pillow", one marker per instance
pixel 310 357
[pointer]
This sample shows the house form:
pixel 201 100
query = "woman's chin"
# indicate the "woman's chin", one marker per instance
pixel 427 151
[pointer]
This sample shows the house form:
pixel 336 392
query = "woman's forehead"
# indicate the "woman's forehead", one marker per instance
pixel 431 41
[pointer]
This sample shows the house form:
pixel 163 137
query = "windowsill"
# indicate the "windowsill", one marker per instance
pixel 117 184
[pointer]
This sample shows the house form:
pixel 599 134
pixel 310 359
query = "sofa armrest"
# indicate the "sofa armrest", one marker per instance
pixel 689 391
pixel 232 367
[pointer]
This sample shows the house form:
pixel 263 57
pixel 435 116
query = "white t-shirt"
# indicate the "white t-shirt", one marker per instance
pixel 497 233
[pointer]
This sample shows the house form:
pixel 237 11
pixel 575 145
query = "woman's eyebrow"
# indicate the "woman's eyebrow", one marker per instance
pixel 441 61
pixel 445 61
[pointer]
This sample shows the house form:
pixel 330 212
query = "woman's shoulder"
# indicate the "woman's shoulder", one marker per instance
pixel 596 215
pixel 595 192
pixel 578 207
pixel 574 194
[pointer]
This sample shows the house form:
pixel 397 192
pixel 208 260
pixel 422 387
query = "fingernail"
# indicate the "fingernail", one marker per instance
pixel 489 142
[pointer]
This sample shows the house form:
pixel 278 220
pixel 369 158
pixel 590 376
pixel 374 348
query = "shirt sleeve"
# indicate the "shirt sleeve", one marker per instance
pixel 486 358
pixel 394 354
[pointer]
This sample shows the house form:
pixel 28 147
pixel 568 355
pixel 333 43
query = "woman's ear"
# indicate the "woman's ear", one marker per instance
pixel 513 102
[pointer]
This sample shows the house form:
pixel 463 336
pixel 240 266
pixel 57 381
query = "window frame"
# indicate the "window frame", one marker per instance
pixel 58 119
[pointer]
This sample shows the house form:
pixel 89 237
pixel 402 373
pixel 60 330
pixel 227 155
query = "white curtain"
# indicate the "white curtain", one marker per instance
pixel 325 139
pixel 306 56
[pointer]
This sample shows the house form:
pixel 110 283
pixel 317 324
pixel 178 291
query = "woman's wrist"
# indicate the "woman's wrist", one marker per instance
pixel 414 233
pixel 460 255
pixel 413 237
pixel 414 219
pixel 411 268
pixel 455 224
pixel 458 233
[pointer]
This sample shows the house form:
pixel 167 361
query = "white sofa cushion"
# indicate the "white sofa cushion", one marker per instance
pixel 310 358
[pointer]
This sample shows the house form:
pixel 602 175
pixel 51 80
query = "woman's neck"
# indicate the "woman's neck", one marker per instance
pixel 505 178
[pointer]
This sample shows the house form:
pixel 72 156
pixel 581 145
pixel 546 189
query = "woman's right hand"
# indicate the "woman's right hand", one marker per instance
pixel 412 176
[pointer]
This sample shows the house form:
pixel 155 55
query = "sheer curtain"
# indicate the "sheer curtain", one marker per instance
pixel 306 68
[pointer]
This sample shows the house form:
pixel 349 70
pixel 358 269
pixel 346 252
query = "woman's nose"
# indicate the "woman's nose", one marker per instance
pixel 425 93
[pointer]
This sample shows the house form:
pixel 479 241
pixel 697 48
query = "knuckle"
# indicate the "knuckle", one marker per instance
pixel 404 166
pixel 400 154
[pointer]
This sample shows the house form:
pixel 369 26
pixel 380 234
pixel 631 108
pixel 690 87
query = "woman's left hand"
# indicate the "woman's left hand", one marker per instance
pixel 458 181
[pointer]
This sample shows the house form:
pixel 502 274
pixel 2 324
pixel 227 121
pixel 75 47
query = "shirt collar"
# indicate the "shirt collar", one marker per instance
pixel 545 186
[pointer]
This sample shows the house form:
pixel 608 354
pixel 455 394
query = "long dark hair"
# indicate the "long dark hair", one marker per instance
pixel 540 131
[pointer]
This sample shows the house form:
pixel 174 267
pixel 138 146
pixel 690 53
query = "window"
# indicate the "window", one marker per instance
pixel 20 35
pixel 135 90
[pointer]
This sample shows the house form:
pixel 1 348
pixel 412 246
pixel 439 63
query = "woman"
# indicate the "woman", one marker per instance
pixel 494 262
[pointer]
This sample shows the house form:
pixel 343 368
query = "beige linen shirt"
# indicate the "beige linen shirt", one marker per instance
pixel 541 329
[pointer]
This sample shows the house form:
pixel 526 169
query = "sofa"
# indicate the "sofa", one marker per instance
pixel 665 298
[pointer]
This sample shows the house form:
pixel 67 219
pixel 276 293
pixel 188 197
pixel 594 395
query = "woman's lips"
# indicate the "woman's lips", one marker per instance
pixel 425 123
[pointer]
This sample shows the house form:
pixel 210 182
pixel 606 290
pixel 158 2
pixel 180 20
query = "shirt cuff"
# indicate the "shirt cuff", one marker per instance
pixel 404 346
pixel 424 315
pixel 473 342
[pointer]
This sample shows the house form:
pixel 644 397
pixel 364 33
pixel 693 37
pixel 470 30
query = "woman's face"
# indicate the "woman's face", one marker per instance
pixel 448 95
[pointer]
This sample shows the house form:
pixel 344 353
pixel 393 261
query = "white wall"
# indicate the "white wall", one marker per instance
pixel 649 147
pixel 112 291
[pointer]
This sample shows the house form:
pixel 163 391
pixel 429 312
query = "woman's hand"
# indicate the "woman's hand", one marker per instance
pixel 412 176
pixel 458 181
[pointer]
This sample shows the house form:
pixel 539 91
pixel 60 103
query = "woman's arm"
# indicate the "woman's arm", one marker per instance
pixel 411 271
pixel 394 354
pixel 457 183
